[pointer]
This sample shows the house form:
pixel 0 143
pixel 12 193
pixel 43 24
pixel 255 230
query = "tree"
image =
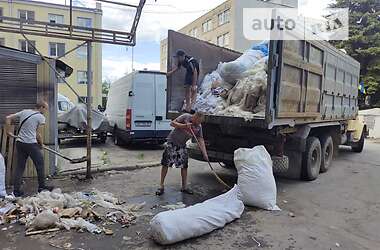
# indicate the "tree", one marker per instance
pixel 364 41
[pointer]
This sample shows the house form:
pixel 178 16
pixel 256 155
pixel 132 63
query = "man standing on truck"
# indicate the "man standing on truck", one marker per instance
pixel 175 152
pixel 191 79
pixel 29 143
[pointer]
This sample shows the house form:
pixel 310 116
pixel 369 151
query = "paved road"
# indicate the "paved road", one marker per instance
pixel 108 154
pixel 340 210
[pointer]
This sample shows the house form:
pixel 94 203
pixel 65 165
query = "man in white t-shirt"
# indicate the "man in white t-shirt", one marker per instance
pixel 28 144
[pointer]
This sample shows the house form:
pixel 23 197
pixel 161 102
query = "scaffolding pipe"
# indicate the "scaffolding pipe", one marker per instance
pixel 89 109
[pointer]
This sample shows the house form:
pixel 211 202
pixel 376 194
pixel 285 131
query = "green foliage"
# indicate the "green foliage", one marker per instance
pixel 364 41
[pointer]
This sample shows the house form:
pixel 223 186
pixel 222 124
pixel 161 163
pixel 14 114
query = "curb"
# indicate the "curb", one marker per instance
pixel 105 169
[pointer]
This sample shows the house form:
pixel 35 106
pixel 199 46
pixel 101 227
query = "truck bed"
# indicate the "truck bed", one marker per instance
pixel 308 82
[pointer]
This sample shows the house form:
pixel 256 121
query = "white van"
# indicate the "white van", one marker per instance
pixel 136 108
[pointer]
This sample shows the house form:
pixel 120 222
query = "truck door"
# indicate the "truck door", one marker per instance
pixel 162 124
pixel 143 115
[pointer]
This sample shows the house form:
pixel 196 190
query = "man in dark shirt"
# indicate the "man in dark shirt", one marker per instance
pixel 191 79
pixel 175 153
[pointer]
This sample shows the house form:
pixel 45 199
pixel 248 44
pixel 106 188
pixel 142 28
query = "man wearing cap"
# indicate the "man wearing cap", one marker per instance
pixel 191 79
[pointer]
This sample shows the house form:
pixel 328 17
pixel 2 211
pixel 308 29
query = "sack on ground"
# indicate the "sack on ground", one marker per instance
pixel 173 226
pixel 256 183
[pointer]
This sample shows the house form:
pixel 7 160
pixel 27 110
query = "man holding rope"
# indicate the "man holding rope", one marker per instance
pixel 175 153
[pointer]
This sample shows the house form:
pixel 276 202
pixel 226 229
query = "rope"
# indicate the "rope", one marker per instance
pixel 209 164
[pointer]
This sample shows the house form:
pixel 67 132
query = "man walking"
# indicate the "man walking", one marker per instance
pixel 191 79
pixel 28 144
pixel 175 153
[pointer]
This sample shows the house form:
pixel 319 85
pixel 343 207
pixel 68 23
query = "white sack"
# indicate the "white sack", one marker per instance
pixel 232 71
pixel 2 177
pixel 173 226
pixel 256 183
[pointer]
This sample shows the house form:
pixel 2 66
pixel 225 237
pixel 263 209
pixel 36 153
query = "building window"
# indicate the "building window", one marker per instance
pixel 207 26
pixel 82 50
pixel 193 32
pixel 2 41
pixel 27 47
pixel 84 22
pixel 56 49
pixel 26 15
pixel 82 77
pixel 53 18
pixel 223 40
pixel 224 17
pixel 1 14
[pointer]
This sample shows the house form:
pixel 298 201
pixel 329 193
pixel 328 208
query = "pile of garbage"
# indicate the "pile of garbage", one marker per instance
pixel 85 211
pixel 237 88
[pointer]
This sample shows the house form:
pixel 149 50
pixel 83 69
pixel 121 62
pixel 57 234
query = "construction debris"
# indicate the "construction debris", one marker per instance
pixel 51 211
pixel 237 88
pixel 175 206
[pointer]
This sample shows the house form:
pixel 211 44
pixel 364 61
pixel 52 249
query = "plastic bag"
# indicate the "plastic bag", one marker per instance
pixel 232 71
pixel 263 47
pixel 2 177
pixel 256 183
pixel 45 219
pixel 80 223
pixel 173 226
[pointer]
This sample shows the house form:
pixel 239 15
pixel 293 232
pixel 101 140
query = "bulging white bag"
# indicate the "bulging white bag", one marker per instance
pixel 2 177
pixel 173 226
pixel 232 71
pixel 256 183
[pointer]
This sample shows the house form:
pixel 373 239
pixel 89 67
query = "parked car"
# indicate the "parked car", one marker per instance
pixel 136 108
pixel 73 123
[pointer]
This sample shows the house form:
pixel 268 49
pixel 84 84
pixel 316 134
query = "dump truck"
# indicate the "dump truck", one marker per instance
pixel 311 106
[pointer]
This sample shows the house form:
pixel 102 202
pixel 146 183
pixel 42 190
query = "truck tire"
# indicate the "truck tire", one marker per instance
pixel 358 146
pixel 327 146
pixel 311 162
pixel 280 164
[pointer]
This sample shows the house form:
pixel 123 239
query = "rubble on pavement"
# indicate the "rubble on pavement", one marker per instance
pixel 49 211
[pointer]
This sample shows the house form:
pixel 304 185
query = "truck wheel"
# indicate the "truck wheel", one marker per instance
pixel 312 159
pixel 280 164
pixel 327 153
pixel 358 146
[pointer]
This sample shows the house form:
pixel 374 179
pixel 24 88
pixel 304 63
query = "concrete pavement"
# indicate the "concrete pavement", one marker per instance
pixel 340 210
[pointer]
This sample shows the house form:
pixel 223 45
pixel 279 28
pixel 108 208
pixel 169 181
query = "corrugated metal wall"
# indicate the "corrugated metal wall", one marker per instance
pixel 24 79
pixel 18 87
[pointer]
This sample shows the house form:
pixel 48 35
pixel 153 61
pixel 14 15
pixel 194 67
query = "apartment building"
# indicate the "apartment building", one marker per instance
pixel 56 47
pixel 223 25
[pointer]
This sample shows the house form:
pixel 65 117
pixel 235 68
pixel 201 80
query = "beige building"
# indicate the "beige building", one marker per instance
pixel 223 25
pixel 55 47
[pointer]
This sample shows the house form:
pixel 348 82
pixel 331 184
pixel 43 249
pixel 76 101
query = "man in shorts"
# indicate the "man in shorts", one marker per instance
pixel 191 79
pixel 175 153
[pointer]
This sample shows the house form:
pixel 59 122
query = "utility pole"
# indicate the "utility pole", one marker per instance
pixel 89 108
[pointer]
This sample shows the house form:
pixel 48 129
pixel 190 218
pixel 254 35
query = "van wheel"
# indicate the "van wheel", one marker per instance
pixel 327 153
pixel 312 159
pixel 116 139
pixel 358 146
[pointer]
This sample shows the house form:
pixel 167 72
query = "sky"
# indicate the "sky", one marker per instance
pixel 157 18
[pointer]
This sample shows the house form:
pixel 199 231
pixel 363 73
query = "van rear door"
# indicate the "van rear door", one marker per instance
pixel 162 124
pixel 143 105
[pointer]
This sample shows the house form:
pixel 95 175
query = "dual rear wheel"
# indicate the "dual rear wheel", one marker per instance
pixel 317 157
